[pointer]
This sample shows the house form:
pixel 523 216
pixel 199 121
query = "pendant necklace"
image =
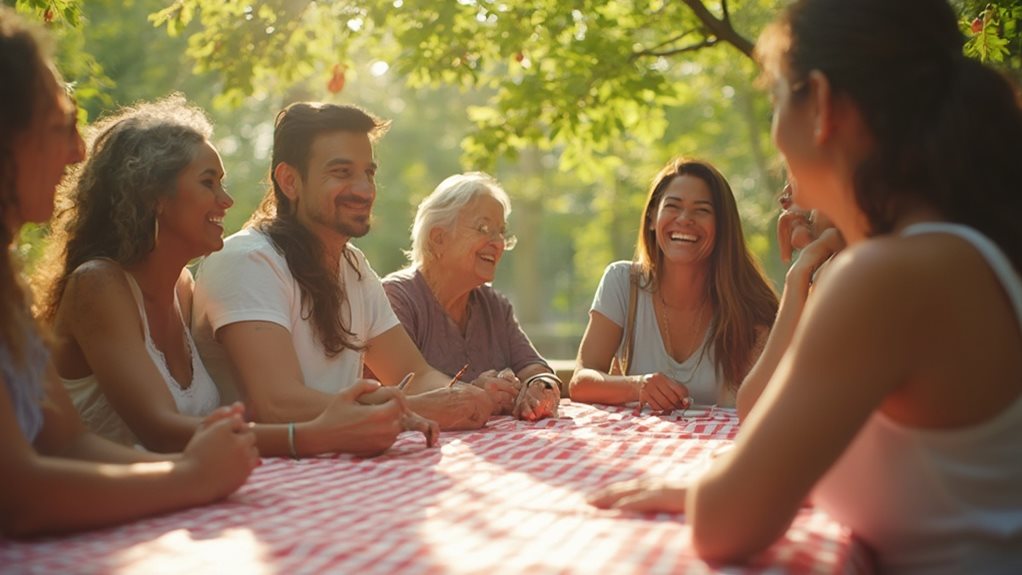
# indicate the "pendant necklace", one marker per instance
pixel 670 342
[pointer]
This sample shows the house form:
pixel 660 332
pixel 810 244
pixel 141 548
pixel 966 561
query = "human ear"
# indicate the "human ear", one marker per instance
pixel 437 235
pixel 287 178
pixel 823 107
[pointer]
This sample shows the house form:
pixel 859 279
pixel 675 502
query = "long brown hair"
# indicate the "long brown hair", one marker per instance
pixel 738 288
pixel 23 90
pixel 295 130
pixel 108 207
pixel 946 129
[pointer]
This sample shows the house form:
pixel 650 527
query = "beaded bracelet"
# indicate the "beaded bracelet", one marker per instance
pixel 291 440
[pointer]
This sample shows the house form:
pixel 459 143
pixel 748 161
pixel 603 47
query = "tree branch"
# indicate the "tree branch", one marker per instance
pixel 721 28
pixel 653 51
pixel 675 51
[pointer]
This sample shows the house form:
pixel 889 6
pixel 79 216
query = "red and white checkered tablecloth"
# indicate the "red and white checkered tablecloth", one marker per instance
pixel 510 498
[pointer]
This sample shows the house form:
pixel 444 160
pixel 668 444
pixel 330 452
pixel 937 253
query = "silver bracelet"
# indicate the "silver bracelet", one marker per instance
pixel 291 440
pixel 550 381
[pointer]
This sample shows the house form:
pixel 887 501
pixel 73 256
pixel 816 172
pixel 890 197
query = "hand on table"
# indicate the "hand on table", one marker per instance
pixel 502 387
pixel 222 453
pixel 456 407
pixel 537 400
pixel 410 421
pixel 363 419
pixel 642 496
pixel 662 394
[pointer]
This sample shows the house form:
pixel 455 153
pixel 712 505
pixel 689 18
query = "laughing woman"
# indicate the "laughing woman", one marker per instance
pixel 701 307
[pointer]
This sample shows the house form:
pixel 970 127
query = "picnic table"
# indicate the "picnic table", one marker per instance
pixel 508 498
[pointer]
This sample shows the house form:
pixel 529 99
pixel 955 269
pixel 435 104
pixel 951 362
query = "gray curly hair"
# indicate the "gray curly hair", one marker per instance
pixel 440 208
pixel 108 207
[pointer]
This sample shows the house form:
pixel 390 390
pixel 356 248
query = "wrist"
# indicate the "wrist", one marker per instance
pixel 307 439
pixel 186 472
pixel 636 382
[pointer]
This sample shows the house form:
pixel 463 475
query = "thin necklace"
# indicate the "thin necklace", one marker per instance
pixel 692 340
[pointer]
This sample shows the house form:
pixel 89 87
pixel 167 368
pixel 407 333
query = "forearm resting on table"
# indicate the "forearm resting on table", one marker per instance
pixel 47 495
pixel 593 386
pixel 286 404
pixel 454 408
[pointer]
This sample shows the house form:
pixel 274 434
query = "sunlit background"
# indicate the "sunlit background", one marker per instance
pixel 573 109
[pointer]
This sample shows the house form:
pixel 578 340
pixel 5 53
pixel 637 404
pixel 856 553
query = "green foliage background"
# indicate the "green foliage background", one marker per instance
pixel 574 106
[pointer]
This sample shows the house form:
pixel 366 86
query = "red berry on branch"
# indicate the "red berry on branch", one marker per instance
pixel 48 15
pixel 519 57
pixel 977 25
pixel 336 83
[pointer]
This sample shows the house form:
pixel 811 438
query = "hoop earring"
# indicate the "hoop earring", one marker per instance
pixel 156 232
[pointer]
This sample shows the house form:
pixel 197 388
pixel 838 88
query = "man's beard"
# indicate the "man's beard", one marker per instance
pixel 356 229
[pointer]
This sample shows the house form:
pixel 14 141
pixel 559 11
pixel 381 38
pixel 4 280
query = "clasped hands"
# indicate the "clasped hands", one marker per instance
pixel 530 402
pixel 662 394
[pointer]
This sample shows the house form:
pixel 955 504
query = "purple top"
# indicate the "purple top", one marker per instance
pixel 492 340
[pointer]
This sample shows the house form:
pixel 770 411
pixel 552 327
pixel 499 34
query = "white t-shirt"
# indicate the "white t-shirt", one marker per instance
pixel 937 500
pixel 249 280
pixel 698 372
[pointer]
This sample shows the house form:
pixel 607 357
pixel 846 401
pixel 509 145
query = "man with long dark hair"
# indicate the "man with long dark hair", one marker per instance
pixel 289 310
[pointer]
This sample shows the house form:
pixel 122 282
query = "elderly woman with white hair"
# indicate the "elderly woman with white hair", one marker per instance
pixel 446 303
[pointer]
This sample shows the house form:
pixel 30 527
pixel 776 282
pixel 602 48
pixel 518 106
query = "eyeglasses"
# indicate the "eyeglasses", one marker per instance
pixel 501 236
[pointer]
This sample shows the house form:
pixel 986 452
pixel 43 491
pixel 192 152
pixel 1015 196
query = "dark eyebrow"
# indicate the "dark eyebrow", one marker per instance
pixel 210 171
pixel 338 162
pixel 345 162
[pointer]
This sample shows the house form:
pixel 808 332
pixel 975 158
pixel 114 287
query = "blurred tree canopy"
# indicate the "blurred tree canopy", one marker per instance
pixel 574 106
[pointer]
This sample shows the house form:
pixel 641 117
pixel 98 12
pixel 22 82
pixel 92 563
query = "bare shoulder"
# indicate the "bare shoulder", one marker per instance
pixel 185 287
pixel 928 266
pixel 96 279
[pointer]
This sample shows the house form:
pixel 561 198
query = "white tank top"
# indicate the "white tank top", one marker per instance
pixel 937 501
pixel 198 399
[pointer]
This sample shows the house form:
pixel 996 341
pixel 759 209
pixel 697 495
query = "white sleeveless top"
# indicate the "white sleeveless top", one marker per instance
pixel 198 399
pixel 937 501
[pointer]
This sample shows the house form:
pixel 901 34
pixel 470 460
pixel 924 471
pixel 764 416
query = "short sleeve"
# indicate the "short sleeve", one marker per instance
pixel 401 301
pixel 379 316
pixel 521 350
pixel 244 283
pixel 611 297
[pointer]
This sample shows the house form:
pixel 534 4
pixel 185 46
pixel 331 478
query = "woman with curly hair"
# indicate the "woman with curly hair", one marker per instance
pixel 56 475
pixel 150 199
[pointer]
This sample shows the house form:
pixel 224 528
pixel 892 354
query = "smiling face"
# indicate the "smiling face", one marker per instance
pixel 685 223
pixel 335 198
pixel 473 248
pixel 43 153
pixel 193 215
